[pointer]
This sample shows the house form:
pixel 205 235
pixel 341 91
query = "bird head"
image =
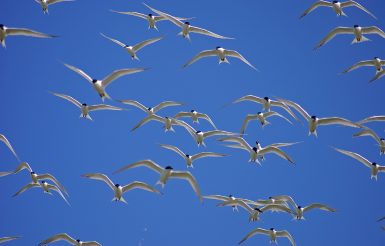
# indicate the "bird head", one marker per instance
pixel 94 81
pixel 355 26
pixel 84 104
pixel 168 168
pixel 187 23
pixel 266 98
pixel 117 185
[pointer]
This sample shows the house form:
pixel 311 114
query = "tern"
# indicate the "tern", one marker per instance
pixel 262 119
pixel 272 233
pixel 45 3
pixel 100 85
pixel 151 19
pixel 165 174
pixel 195 115
pixel 8 144
pixel 371 133
pixel 6 239
pixel 374 167
pixel 118 189
pixel 230 198
pixel 375 118
pixel 186 27
pixel 337 7
pixel 65 237
pixel 84 108
pixel 133 49
pixel 191 158
pixel 167 121
pixel 356 30
pixel 13 31
pixel 314 121
pixel 378 76
pixel 221 53
pixel 376 62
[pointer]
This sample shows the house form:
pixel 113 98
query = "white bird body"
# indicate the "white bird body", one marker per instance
pixel 272 233
pixel 45 3
pixel 376 62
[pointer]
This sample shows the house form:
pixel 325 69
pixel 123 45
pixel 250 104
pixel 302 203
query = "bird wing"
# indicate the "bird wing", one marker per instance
pixel 119 73
pixel 135 104
pixel 234 53
pixel 287 235
pixel 277 151
pixel 285 107
pixel 255 231
pixel 237 202
pixel 101 177
pixel 182 114
pixel 55 188
pixel 143 44
pixel 368 132
pixel 102 107
pixel 238 140
pixel 206 117
pixel 276 207
pixel 80 72
pixel 27 32
pixel 377 76
pixel 26 187
pixel 282 144
pixel 48 176
pixel 206 154
pixel 189 128
pixel 250 98
pixel 355 4
pixel 190 178
pixel 273 113
pixel 200 55
pixel 333 33
pixel 166 104
pixel 337 121
pixel 173 148
pixel 372 118
pixel 297 107
pixel 216 132
pixel 356 156
pixel 68 98
pixel 217 197
pixel 359 64
pixel 8 144
pixel 6 239
pixel 169 17
pixel 314 6
pixel 148 119
pixel 139 185
pixel 114 40
pixel 140 15
pixel 248 118
pixel 381 219
pixel 146 163
pixel 373 30
pixel 22 166
pixel 58 1
pixel 320 206
pixel 58 237
pixel 206 32
pixel 286 198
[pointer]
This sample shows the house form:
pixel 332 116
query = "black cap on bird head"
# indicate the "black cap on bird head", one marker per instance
pixel 374 164
pixel 169 168
pixel 299 207
pixel 266 98
pixel 376 57
pixel 32 172
pixel 94 81
pixel 314 117
pixel 192 111
pixel 150 15
pixel 117 185
pixel 187 155
pixel 272 229
pixel 230 195
pixel 382 139
pixel 218 47
pixel 257 209
pixel 187 23
pixel 84 104
pixel 78 240
pixel 198 131
pixel 1 26
pixel 255 149
pixel 335 2
pixel 356 26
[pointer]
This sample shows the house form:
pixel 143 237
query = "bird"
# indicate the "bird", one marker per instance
pixel 230 198
pixel 6 239
pixel 167 121
pixel 165 174
pixel 150 110
pixel 191 158
pixel 195 115
pixel 381 219
pixel 314 121
pixel 199 136
pixel 151 19
pixel 262 119
pixel 375 118
pixel 133 49
pixel 84 107
pixel 117 188
pixel 272 233
pixel 271 200
pixel 374 167
pixel 222 54
pixel 257 151
pixel 377 76
pixel 14 31
pixel 45 3
pixel 356 30
pixel 100 85
pixel 299 210
pixel 8 144
pixel 186 27
pixel 34 176
pixel 376 62
pixel 66 237
pixel 337 7
pixel 46 188
pixel 267 103
pixel 371 133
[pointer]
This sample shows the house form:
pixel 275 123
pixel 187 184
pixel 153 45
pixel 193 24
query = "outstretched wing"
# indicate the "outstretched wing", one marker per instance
pixel 101 177
pixel 314 6
pixel 146 163
pixel 333 33
pixel 58 237
pixel 190 178
pixel 234 53
pixel 200 55
pixel 119 73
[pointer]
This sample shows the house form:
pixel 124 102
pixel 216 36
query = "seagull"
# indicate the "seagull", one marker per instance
pixel 13 31
pixel 199 136
pixel 356 30
pixel 186 27
pixel 65 237
pixel 168 122
pixel 151 19
pixel 372 119
pixel 165 174
pixel 195 115
pixel 45 3
pixel 222 54
pixel 267 103
pixel 376 62
pixel 337 7
pixel 272 233
pixel 132 49
pixel 378 75
pixel 375 168
pixel 190 158
pixel 34 176
pixel 314 121
pixel 117 188
pixel 230 198
pixel 8 144
pixel 257 151
pixel 299 210
pixel 46 188
pixel 6 239
pixel 100 85
pixel 262 119
pixel 84 108
pixel 371 133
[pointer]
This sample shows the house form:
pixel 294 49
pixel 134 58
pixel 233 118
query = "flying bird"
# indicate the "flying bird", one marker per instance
pixel 221 53
pixel 6 239
pixel 65 237
pixel 230 198
pixel 195 115
pixel 8 144
pixel 375 118
pixel 272 233
pixel 151 19
pixel 374 167
pixel 117 188
pixel 133 49
pixel 337 7
pixel 84 108
pixel 165 174
pixel 186 27
pixel 371 133
pixel 356 30
pixel 376 62
pixel 45 3
pixel 378 76
pixel 262 117
pixel 150 110
pixel 13 31
pixel 167 121
pixel 191 158
pixel 100 85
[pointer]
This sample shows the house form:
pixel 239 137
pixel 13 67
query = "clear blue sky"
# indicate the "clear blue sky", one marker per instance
pixel 47 133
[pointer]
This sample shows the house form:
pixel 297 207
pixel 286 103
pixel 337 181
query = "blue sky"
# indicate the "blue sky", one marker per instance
pixel 46 131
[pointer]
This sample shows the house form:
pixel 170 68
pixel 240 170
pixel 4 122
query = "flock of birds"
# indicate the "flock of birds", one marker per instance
pixel 282 203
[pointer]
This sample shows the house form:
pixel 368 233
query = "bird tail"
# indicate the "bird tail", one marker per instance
pixel 85 116
pixel 3 43
pixel 343 14
pixel 224 61
pixel 363 39
pixel 105 95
